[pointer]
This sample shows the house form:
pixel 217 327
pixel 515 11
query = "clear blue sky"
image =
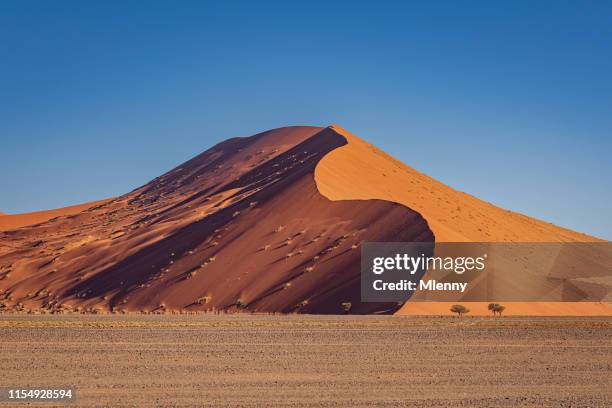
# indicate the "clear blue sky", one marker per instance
pixel 508 101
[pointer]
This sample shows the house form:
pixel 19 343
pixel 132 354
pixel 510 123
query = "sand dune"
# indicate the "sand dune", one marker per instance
pixel 359 170
pixel 267 223
pixel 8 222
pixel 241 226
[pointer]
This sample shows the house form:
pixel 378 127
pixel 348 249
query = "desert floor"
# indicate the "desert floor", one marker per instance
pixel 318 361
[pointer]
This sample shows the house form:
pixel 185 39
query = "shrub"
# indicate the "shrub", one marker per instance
pixel 203 300
pixel 346 306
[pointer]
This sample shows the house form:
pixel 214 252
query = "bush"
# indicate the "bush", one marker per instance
pixel 203 300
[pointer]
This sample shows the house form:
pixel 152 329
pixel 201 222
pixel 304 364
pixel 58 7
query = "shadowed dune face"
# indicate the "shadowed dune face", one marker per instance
pixel 242 225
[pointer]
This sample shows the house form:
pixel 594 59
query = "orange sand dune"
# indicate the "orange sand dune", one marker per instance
pixel 8 222
pixel 360 171
pixel 267 223
pixel 240 226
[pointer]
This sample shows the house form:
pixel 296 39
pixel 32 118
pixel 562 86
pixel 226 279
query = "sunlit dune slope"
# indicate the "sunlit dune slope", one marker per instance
pixel 12 221
pixel 359 170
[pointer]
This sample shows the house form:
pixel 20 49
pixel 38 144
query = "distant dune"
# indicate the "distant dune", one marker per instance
pixel 268 223
pixel 8 222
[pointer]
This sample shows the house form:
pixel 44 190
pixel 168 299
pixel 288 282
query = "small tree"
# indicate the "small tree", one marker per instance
pixel 459 309
pixel 496 308
pixel 491 307
pixel 346 306
pixel 499 309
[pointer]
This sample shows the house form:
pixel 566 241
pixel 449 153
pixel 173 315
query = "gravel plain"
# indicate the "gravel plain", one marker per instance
pixel 310 361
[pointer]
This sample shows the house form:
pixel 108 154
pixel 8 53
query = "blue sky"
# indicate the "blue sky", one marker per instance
pixel 508 101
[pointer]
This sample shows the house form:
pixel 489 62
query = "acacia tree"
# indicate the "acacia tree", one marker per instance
pixel 499 309
pixel 459 309
pixel 491 307
pixel 496 308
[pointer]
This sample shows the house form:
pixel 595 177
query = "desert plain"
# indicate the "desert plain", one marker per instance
pixel 311 361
